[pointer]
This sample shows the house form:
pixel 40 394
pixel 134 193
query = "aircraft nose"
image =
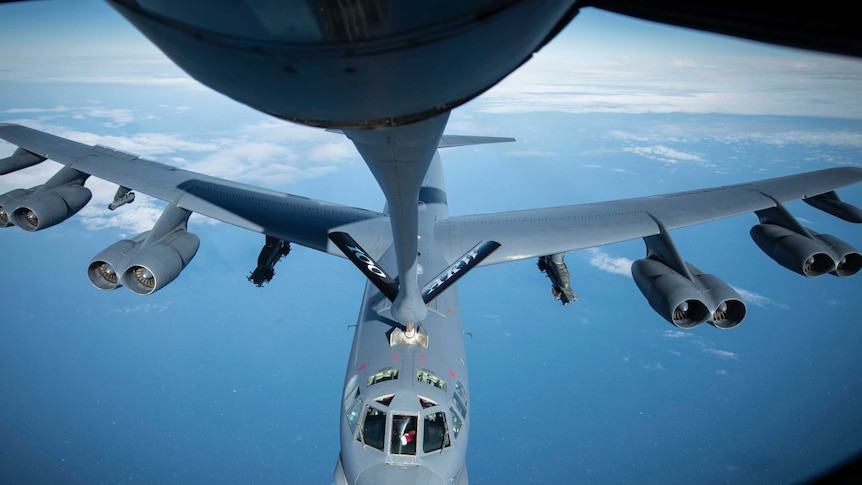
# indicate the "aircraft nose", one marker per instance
pixel 384 474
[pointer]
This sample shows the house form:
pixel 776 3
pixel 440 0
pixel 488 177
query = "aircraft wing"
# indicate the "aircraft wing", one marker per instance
pixel 297 219
pixel 539 232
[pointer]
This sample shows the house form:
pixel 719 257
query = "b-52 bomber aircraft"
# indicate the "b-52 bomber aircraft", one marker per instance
pixel 405 414
pixel 386 74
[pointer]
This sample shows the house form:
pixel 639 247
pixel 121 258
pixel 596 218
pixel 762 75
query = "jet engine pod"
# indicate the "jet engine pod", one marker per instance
pixel 19 160
pixel 812 255
pixel 153 267
pixel 8 202
pixel 849 261
pixel 670 294
pixel 105 269
pixel 685 302
pixel 46 208
pixel 728 308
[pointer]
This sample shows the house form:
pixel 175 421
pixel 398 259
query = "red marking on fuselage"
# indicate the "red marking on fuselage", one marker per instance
pixel 448 309
pixel 362 367
pixel 452 373
pixel 395 357
pixel 421 358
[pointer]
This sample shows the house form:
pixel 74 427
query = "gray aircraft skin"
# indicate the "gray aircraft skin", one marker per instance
pixel 396 384
pixel 387 75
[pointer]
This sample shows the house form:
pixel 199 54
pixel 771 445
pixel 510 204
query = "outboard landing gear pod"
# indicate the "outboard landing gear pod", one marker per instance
pixel 273 251
pixel 682 293
pixel 554 267
pixel 123 196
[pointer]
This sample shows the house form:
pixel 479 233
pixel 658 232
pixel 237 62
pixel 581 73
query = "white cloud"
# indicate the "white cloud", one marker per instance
pixel 131 219
pixel 143 308
pixel 724 354
pixel 56 109
pixel 676 334
pixel 757 299
pixel 328 152
pixel 677 62
pixel 664 154
pixel 608 264
pixel 751 82
pixel 836 138
pixel 117 116
pixel 699 343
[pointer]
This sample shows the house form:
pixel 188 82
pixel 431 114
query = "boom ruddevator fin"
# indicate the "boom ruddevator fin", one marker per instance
pixel 387 285
pixel 447 141
pixel 458 269
pixel 366 264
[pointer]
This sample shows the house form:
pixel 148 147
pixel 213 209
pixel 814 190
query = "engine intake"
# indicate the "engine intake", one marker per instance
pixel 8 202
pixel 50 207
pixel 143 268
pixel 686 303
pixel 105 269
pixel 157 265
pixel 149 261
pixel 809 256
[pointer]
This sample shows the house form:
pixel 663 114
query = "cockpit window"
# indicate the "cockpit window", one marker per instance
pixel 385 400
pixel 382 376
pixel 456 421
pixel 426 403
pixel 459 390
pixel 373 428
pixel 435 435
pixel 460 398
pixel 459 405
pixel 353 415
pixel 351 390
pixel 429 378
pixel 403 435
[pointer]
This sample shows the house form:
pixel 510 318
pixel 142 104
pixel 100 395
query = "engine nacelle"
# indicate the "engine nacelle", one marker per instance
pixel 141 265
pixel 19 160
pixel 157 265
pixel 728 309
pixel 8 202
pixel 808 256
pixel 106 267
pixel 686 303
pixel 848 259
pixel 46 208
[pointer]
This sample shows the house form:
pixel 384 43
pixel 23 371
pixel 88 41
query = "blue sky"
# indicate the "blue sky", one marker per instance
pixel 213 380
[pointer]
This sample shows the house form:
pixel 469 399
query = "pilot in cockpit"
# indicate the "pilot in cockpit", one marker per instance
pixel 408 437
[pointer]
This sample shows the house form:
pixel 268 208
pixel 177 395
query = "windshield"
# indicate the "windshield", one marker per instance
pixel 435 436
pixel 404 430
pixel 403 435
pixel 373 428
